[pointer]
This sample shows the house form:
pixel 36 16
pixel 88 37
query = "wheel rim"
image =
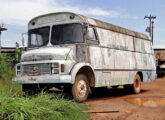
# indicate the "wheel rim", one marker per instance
pixel 137 85
pixel 82 88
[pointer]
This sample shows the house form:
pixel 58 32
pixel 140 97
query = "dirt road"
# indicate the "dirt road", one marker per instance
pixel 119 104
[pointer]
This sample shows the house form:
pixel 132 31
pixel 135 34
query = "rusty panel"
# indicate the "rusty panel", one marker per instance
pixel 114 28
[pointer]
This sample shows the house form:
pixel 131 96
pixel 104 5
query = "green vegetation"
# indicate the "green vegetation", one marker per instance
pixel 7 62
pixel 6 66
pixel 42 107
pixel 14 105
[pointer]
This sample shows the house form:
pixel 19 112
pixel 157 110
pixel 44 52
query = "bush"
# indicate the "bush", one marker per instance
pixel 6 66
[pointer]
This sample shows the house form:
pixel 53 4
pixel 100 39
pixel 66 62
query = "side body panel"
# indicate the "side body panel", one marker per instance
pixel 119 57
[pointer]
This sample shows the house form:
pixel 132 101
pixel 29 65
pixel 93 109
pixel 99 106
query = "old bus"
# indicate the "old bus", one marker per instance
pixel 80 53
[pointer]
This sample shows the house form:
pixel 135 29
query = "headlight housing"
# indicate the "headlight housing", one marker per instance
pixel 55 68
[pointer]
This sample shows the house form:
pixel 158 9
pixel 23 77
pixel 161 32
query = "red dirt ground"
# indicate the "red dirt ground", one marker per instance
pixel 112 104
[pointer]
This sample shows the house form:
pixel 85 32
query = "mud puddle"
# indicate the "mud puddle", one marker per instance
pixel 147 101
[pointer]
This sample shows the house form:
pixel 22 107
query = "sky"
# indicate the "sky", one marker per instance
pixel 15 15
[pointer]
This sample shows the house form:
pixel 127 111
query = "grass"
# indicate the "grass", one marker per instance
pixel 14 105
pixel 6 66
pixel 42 107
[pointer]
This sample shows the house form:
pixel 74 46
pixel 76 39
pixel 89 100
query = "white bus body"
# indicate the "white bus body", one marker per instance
pixel 70 49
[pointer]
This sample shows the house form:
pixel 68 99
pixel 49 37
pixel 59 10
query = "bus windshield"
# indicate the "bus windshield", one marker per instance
pixel 67 34
pixel 38 37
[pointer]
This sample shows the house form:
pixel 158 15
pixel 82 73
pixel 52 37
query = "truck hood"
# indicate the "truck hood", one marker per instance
pixel 49 53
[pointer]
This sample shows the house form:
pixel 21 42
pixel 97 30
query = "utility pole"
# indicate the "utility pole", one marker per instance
pixel 150 29
pixel 23 39
pixel 1 29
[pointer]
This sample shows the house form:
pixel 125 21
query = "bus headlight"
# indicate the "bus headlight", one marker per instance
pixel 55 68
pixel 55 65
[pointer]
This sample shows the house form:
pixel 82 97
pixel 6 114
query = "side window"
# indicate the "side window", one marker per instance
pixel 91 36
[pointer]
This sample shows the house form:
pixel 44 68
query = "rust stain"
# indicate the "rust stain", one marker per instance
pixel 114 28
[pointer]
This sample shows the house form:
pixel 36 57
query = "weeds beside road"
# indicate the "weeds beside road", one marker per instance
pixel 14 105
pixel 41 107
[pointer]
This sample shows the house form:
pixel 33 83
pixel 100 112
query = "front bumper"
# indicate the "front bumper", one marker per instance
pixel 42 79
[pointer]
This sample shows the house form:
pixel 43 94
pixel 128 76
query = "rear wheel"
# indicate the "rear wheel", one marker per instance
pixel 137 84
pixel 136 87
pixel 80 89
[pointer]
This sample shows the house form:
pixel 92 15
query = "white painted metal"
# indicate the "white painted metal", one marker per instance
pixel 119 56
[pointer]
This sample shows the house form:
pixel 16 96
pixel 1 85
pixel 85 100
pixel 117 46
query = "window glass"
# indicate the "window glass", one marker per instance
pixel 91 34
pixel 38 37
pixel 67 34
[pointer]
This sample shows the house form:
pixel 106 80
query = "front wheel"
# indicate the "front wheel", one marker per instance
pixel 80 89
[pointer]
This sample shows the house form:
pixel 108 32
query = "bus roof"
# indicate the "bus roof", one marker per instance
pixel 99 24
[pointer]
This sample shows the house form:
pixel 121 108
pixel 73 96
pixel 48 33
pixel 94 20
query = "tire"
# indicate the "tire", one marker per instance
pixel 136 87
pixel 137 84
pixel 80 89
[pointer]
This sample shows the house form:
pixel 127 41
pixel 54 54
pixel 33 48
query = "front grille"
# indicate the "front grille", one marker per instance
pixel 42 69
